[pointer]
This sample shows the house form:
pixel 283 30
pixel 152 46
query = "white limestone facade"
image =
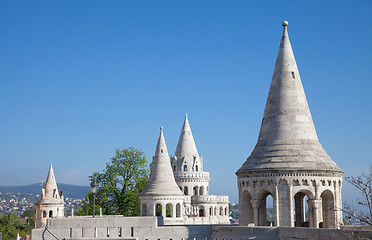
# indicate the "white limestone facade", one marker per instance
pixel 161 196
pixel 288 162
pixel 186 170
pixel 51 204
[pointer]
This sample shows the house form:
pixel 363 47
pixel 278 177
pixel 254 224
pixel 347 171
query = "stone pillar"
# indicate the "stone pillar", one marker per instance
pixel 164 210
pixel 276 206
pixel 256 205
pixel 317 204
pixel 290 197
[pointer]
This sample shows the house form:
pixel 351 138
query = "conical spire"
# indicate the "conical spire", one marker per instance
pixel 161 180
pixel 186 144
pixel 51 189
pixel 287 138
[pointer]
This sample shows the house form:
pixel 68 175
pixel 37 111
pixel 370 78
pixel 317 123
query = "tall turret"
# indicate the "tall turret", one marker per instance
pixel 51 203
pixel 288 162
pixel 161 194
pixel 287 138
pixel 161 181
pixel 188 165
pixel 186 157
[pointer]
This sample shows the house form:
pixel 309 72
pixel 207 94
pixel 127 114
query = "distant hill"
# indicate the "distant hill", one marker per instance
pixel 71 191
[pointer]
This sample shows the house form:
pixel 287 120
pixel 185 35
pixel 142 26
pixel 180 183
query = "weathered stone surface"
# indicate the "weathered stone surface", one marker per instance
pixel 287 139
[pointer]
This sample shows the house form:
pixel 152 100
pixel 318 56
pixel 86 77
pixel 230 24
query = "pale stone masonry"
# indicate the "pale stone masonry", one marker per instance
pixel 288 162
pixel 51 203
pixel 178 190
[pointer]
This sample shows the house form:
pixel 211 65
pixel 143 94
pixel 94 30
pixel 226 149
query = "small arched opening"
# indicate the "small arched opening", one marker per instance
pixel 196 190
pixel 186 191
pixel 265 209
pixel 328 209
pixel 196 168
pixel 246 216
pixel 303 209
pixel 201 190
pixel 169 212
pixel 178 210
pixel 201 211
pixel 158 210
pixel 50 213
pixel 185 168
pixel 221 211
pixel 210 211
pixel 44 214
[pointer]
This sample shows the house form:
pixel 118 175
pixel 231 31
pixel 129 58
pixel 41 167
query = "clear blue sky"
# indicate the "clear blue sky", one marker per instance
pixel 81 78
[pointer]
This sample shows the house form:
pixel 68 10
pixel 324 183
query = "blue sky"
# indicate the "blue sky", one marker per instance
pixel 81 78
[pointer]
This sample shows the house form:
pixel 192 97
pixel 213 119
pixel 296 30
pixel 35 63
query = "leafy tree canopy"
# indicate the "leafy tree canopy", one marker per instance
pixel 10 226
pixel 119 184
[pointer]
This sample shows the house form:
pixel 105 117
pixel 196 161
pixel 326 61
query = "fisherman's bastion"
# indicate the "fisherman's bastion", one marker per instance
pixel 288 163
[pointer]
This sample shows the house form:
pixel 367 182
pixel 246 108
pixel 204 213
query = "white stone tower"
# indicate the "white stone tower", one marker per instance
pixel 50 204
pixel 162 196
pixel 188 165
pixel 200 207
pixel 288 162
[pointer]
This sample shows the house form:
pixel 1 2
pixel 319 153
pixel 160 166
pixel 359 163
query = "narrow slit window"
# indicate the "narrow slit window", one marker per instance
pixel 293 75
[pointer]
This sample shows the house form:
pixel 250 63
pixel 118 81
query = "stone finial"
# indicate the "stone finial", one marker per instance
pixel 285 23
pixel 185 115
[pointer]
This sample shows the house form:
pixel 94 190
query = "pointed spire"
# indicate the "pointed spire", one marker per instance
pixel 161 180
pixel 186 144
pixel 287 138
pixel 51 188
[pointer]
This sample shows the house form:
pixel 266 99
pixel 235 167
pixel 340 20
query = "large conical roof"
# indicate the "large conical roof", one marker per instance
pixel 50 192
pixel 50 183
pixel 186 144
pixel 287 139
pixel 161 182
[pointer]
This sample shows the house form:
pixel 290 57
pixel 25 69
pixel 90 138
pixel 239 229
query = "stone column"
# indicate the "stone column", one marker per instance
pixel 290 197
pixel 164 210
pixel 317 204
pixel 276 206
pixel 256 205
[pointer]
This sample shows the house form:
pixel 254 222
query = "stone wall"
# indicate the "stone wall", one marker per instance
pixel 151 228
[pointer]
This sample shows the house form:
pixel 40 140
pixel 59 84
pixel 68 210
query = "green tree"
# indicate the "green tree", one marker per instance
pixel 10 226
pixel 29 215
pixel 119 184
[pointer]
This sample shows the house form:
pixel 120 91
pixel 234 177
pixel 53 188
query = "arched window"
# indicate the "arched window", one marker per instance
pixel 201 212
pixel 185 168
pixel 44 214
pixel 210 211
pixel 51 212
pixel 174 168
pixel 201 190
pixel 196 167
pixel 158 210
pixel 186 191
pixel 225 211
pixel 221 210
pixel 169 210
pixel 195 190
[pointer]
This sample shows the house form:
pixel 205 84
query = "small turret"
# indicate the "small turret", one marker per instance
pixel 50 204
pixel 161 180
pixel 186 157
